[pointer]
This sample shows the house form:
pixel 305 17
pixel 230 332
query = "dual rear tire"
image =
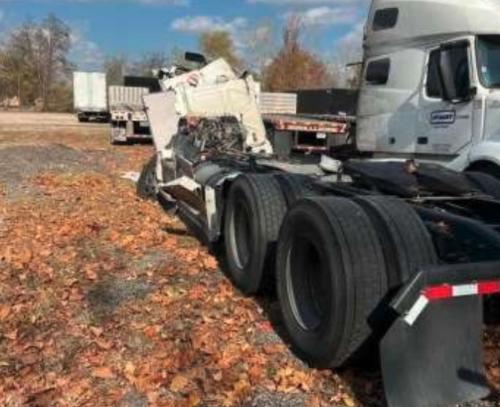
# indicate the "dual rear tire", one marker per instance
pixel 256 208
pixel 351 254
pixel 330 278
pixel 335 260
pixel 254 214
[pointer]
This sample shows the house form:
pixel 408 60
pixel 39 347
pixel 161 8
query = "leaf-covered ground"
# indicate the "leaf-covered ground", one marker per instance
pixel 107 301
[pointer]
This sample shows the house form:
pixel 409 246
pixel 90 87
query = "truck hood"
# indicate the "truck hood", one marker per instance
pixel 486 146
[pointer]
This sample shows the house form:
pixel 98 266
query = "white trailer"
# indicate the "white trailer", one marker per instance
pixel 89 96
pixel 128 116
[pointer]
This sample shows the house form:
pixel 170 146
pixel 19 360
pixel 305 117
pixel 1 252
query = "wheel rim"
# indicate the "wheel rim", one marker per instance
pixel 308 282
pixel 240 234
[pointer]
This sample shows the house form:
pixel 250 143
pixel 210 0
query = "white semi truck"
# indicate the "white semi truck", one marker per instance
pixel 431 84
pixel 388 247
pixel 90 96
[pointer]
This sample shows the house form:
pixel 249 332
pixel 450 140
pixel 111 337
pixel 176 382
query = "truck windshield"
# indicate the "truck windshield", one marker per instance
pixel 488 54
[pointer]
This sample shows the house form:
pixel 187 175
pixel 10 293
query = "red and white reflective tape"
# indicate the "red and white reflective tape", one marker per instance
pixel 446 291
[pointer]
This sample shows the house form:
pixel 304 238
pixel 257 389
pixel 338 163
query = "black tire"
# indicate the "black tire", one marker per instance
pixel 254 213
pixel 485 182
pixel 330 278
pixel 406 242
pixel 146 186
pixel 295 187
pixel 486 167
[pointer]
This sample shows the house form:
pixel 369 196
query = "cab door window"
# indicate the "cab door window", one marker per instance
pixel 433 85
pixel 448 73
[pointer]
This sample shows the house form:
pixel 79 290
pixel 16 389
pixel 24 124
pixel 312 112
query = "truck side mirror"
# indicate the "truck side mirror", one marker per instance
pixel 196 58
pixel 454 73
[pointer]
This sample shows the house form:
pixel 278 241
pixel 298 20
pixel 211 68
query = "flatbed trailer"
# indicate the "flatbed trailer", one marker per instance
pixel 306 134
pixel 129 121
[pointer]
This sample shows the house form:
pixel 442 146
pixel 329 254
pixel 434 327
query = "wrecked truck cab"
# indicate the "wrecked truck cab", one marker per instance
pixel 212 91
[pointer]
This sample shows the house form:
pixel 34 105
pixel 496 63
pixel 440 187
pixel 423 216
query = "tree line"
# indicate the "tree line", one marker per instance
pixel 34 65
pixel 286 65
pixel 36 71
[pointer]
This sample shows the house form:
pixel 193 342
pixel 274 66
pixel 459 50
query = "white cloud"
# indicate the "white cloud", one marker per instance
pixel 326 16
pixel 199 24
pixel 84 53
pixel 353 40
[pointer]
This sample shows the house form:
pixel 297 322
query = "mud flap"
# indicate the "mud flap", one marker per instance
pixel 437 361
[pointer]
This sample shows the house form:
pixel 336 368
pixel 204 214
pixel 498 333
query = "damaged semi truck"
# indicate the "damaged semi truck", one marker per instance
pixel 389 247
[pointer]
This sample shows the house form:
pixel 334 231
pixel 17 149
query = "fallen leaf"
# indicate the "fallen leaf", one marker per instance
pixel 194 400
pixel 105 345
pixel 210 263
pixel 4 312
pixel 265 326
pixel 349 402
pixel 96 331
pixel 152 331
pixel 11 335
pixel 179 383
pixel 129 368
pixel 103 373
pixel 91 274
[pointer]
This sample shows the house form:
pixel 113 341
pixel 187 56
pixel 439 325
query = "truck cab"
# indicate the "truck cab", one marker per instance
pixel 431 83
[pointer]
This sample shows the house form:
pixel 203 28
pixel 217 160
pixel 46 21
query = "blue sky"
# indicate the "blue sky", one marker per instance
pixel 133 27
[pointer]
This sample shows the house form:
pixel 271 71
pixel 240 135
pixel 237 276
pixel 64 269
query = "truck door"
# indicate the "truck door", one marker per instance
pixel 444 127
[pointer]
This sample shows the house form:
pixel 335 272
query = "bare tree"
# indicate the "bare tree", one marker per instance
pixel 51 45
pixel 116 68
pixel 260 46
pixel 17 70
pixel 33 60
pixel 175 57
pixel 53 40
pixel 149 62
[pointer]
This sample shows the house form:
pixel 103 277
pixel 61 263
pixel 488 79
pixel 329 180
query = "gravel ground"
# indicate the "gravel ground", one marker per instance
pixel 18 164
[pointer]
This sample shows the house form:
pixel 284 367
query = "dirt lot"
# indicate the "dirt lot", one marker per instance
pixel 107 301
